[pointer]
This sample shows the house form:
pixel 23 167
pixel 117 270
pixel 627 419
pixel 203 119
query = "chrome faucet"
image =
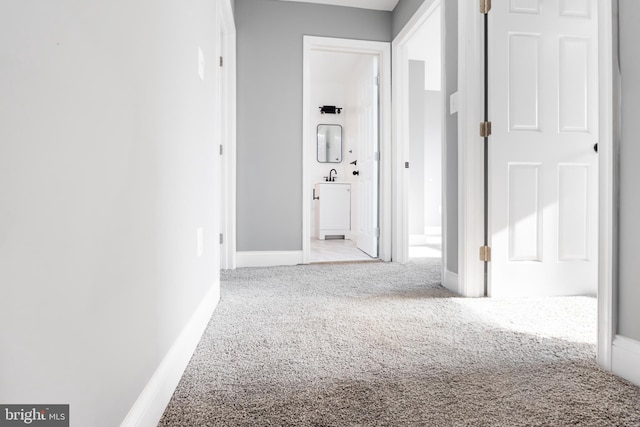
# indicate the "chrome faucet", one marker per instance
pixel 334 178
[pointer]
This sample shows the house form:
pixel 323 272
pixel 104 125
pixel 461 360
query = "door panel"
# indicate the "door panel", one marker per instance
pixel 543 169
pixel 525 216
pixel 367 110
pixel 524 81
pixel 573 79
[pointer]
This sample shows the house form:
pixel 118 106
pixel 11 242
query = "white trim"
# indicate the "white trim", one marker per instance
pixel 228 248
pixel 151 403
pixel 625 358
pixel 268 258
pixel 607 211
pixel 470 150
pixel 450 281
pixel 383 50
pixel 400 123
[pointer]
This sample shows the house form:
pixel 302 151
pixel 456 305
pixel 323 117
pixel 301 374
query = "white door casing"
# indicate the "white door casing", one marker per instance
pixel 226 106
pixel 543 63
pixel 382 51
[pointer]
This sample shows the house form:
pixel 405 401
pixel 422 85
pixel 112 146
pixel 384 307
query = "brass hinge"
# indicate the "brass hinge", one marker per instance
pixel 485 129
pixel 485 253
pixel 485 6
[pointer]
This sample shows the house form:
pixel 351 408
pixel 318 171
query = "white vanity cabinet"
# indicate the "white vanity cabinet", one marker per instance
pixel 333 209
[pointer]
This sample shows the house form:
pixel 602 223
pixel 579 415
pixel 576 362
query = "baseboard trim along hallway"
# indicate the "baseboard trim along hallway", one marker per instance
pixel 268 258
pixel 626 359
pixel 150 405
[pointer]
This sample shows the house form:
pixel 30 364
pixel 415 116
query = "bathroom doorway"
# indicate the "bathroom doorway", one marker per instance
pixel 341 155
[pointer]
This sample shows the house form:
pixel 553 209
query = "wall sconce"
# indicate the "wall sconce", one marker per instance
pixel 330 109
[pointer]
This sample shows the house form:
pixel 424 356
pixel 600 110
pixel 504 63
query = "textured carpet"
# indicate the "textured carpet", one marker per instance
pixel 379 344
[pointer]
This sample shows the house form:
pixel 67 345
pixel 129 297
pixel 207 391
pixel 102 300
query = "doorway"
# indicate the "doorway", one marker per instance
pixel 420 135
pixel 425 138
pixel 346 133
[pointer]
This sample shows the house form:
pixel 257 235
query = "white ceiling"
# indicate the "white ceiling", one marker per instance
pixel 362 4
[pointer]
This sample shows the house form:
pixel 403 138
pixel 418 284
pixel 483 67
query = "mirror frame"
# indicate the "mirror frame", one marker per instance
pixel 339 159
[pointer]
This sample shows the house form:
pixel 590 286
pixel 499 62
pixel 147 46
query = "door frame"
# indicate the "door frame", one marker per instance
pixel 383 51
pixel 227 136
pixel 470 56
pixel 401 152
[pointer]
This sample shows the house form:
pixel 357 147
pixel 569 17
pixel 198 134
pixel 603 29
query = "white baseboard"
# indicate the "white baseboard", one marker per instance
pixel 450 281
pixel 150 405
pixel 268 258
pixel 625 358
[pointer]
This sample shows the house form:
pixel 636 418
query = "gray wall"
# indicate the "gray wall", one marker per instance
pixel 416 147
pixel 425 140
pixel 629 237
pixel 106 147
pixel 451 132
pixel 269 144
pixel 403 12
pixel 433 158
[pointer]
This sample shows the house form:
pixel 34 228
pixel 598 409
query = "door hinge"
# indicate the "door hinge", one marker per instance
pixel 376 232
pixel 485 129
pixel 221 149
pixel 485 253
pixel 376 80
pixel 221 238
pixel 376 156
pixel 485 6
pixel 221 61
pixel 406 165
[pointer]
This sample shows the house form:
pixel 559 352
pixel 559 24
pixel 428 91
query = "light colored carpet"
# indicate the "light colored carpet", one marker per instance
pixel 379 344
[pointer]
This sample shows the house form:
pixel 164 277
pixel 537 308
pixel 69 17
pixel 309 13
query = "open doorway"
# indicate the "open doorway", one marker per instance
pixel 344 206
pixel 425 138
pixel 420 128
pixel 346 100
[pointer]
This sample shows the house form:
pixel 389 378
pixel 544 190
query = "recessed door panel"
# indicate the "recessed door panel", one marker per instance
pixel 524 81
pixel 525 6
pixel 573 212
pixel 573 85
pixel 575 8
pixel 525 218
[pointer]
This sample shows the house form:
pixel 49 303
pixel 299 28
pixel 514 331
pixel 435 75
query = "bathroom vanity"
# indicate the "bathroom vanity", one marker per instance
pixel 332 209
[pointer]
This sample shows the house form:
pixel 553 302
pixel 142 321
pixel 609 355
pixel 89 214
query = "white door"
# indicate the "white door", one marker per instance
pixel 543 167
pixel 368 136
